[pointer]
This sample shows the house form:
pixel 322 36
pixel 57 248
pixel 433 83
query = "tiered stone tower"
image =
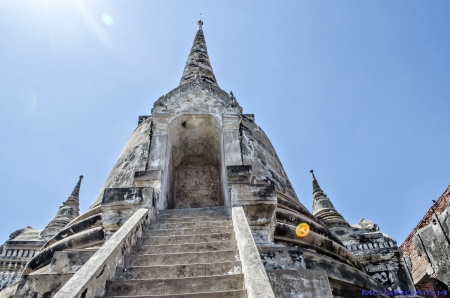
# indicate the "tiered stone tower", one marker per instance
pixel 25 243
pixel 197 205
pixel 323 209
pixel 66 213
pixel 376 251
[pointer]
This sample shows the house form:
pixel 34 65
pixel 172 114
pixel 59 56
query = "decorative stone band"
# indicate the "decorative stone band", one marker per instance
pixel 90 280
pixel 90 222
pixel 381 267
pixel 286 233
pixel 371 245
pixel 17 254
pixel 87 238
pixel 298 208
pixel 89 213
pixel 256 281
pixel 293 218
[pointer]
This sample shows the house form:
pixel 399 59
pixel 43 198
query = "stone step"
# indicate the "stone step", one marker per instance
pixel 156 225
pixel 190 219
pixel 195 211
pixel 186 247
pixel 179 271
pixel 189 231
pixel 182 258
pixel 171 286
pixel 217 294
pixel 160 240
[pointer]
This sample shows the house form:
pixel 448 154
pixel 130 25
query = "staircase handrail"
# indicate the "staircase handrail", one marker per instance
pixel 89 281
pixel 256 280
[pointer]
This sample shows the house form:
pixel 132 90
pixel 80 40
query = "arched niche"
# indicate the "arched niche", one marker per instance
pixel 195 162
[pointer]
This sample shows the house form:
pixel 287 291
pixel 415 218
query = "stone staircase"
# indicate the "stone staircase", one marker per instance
pixel 183 253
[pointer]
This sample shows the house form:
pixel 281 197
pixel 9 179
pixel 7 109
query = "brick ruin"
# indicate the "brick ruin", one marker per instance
pixel 427 247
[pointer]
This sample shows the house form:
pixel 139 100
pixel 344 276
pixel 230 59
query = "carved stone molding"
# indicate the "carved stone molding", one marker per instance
pixel 195 97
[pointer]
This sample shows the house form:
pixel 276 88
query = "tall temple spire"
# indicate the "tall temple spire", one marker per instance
pixel 197 64
pixel 316 187
pixel 66 213
pixel 76 191
pixel 323 209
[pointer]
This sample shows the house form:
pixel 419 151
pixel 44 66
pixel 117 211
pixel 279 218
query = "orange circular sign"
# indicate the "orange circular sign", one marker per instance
pixel 302 230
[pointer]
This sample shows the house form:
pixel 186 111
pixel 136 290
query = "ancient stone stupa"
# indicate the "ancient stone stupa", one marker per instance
pixel 197 205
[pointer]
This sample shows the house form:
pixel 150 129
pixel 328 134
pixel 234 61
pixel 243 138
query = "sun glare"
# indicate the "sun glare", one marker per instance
pixel 65 24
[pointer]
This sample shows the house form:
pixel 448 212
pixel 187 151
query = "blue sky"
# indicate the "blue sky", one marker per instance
pixel 359 91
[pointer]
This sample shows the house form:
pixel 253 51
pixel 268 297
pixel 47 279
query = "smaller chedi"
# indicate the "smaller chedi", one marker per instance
pixel 25 243
pixel 376 251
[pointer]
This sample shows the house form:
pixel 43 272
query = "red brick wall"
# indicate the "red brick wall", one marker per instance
pixel 419 263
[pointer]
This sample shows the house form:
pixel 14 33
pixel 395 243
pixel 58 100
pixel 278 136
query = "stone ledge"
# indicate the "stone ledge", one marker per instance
pixel 150 178
pixel 239 174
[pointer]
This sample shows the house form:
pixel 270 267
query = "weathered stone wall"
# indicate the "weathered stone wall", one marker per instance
pixel 197 186
pixel 300 283
pixel 132 158
pixel 257 151
pixel 346 281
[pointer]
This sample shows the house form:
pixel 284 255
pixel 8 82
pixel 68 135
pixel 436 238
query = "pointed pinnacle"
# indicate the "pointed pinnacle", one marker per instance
pixel 198 65
pixel 76 190
pixel 316 187
pixel 312 175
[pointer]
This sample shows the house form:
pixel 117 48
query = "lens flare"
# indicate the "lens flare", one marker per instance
pixel 302 230
pixel 107 19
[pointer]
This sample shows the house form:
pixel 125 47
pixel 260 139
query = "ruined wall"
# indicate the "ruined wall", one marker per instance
pixel 426 249
pixel 434 245
pixel 132 158
pixel 257 151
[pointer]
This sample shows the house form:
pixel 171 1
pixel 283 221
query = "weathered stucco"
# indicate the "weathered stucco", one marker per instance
pixel 132 158
pixel 257 151
pixel 300 284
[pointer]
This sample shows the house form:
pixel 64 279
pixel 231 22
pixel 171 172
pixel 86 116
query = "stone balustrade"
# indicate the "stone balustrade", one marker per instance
pixel 90 280
pixel 370 245
pixel 18 253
